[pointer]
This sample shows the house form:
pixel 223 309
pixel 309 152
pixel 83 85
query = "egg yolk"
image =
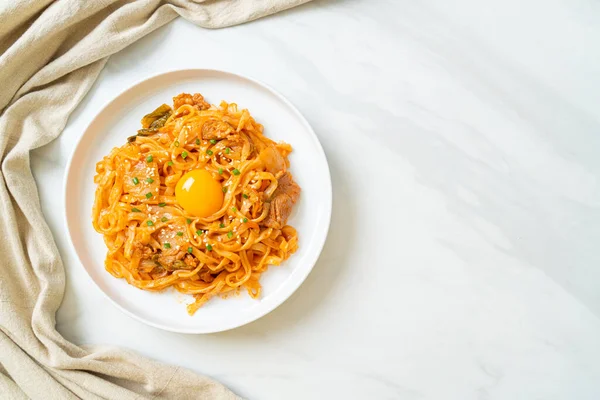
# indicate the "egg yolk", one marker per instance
pixel 199 194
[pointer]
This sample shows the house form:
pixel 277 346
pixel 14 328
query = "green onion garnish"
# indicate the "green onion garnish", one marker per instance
pixel 149 158
pixel 245 220
pixel 224 189
pixel 170 163
pixel 197 141
pixel 167 245
pixel 229 234
pixel 176 143
pixel 148 195
pixel 220 171
pixel 149 180
pixel 135 210
pixel 221 225
pixel 209 152
pixel 213 141
pixel 164 219
pixel 184 155
pixel 179 233
pixel 208 247
pixel 233 209
pixel 135 180
pixel 162 204
pixel 189 221
pixel 246 196
pixel 149 223
pixel 236 171
pixel 199 232
pixel 190 250
pixel 227 150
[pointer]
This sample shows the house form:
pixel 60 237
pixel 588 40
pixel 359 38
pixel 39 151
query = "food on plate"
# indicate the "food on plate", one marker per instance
pixel 197 200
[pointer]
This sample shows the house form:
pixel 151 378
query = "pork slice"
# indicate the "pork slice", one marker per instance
pixel 197 100
pixel 215 129
pixel 287 185
pixel 147 177
pixel 279 210
pixel 169 255
pixel 281 204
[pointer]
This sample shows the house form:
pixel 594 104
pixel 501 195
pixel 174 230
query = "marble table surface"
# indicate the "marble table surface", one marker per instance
pixel 463 260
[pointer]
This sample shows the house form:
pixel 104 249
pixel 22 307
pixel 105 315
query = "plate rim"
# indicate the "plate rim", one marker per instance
pixel 290 288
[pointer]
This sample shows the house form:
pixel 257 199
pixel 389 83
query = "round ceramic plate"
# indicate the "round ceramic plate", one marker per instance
pixel 121 118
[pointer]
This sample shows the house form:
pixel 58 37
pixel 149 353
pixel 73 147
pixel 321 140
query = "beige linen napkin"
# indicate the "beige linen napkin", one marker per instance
pixel 51 53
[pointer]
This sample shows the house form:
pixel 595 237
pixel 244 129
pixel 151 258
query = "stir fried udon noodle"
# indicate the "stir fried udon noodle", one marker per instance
pixel 198 200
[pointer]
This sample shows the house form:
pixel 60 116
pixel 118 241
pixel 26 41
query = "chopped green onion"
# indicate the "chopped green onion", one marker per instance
pixel 135 180
pixel 184 155
pixel 164 219
pixel 220 171
pixel 135 210
pixel 208 247
pixel 199 232
pixel 148 195
pixel 189 221
pixel 224 189
pixel 233 209
pixel 162 204
pixel 190 250
pixel 149 180
pixel 179 233
pixel 209 152
pixel 246 196
pixel 149 158
pixel 170 163
pixel 176 143
pixel 167 245
pixel 197 141
pixel 229 234
pixel 221 225
pixel 236 171
pixel 227 150
pixel 213 141
pixel 245 220
pixel 149 223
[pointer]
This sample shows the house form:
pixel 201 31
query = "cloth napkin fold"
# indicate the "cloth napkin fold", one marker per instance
pixel 50 54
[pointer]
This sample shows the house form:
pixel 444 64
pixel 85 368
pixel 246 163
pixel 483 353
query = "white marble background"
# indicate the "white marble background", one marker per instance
pixel 463 260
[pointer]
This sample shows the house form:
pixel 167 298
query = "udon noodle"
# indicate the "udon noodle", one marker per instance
pixel 154 243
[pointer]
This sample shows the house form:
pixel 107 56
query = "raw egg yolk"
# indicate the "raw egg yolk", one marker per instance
pixel 199 194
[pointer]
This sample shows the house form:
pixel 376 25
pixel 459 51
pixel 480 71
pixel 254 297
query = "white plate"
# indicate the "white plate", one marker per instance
pixel 121 118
